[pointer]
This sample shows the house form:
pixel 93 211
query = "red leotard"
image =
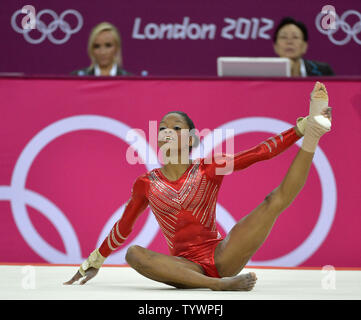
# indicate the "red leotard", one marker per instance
pixel 185 208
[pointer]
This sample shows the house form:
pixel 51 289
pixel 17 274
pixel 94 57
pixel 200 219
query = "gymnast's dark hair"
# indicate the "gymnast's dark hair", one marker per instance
pixel 289 20
pixel 191 126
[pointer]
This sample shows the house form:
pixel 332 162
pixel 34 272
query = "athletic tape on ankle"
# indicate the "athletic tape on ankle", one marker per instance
pixel 309 143
pixel 317 106
pixel 313 133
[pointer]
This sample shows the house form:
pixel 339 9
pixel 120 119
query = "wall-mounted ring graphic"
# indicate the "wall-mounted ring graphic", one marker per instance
pixel 19 196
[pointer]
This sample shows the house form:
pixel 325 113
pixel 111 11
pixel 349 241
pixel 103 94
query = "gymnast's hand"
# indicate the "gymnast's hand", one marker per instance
pixel 88 269
pixel 89 274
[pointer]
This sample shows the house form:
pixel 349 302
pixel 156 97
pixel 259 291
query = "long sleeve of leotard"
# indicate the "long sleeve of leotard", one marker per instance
pixel 123 227
pixel 225 164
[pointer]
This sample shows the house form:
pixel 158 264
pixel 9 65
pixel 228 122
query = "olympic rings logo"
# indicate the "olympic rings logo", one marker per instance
pixel 340 22
pixel 47 30
pixel 19 196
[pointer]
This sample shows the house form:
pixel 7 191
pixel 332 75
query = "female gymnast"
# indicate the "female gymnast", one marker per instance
pixel 183 198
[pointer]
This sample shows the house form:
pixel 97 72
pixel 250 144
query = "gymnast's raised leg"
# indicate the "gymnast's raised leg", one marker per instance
pixel 248 234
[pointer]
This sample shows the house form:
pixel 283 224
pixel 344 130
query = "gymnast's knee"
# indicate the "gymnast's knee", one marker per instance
pixel 274 202
pixel 133 255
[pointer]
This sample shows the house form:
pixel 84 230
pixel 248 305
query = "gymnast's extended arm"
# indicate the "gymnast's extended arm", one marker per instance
pixel 273 146
pixel 116 237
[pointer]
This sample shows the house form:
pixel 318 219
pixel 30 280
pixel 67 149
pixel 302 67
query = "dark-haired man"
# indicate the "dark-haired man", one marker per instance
pixel 290 40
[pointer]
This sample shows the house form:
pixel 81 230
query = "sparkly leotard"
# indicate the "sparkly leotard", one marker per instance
pixel 185 208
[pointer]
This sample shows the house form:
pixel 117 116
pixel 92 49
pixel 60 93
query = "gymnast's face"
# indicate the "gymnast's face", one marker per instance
pixel 105 49
pixel 174 133
pixel 290 43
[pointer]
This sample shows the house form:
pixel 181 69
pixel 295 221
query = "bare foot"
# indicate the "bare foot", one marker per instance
pixel 243 282
pixel 319 92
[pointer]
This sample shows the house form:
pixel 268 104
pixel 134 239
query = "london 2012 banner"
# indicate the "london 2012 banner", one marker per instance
pixel 71 149
pixel 182 38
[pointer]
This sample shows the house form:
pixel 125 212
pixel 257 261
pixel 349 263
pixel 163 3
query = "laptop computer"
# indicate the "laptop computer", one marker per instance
pixel 253 67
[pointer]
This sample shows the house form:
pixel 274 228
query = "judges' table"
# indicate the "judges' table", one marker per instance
pixel 71 149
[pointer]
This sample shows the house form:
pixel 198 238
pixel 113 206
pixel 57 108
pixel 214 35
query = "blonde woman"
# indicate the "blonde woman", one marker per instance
pixel 105 52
